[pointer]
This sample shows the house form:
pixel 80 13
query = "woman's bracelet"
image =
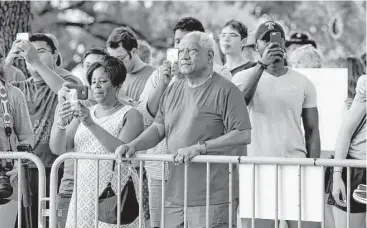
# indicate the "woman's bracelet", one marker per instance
pixel 62 127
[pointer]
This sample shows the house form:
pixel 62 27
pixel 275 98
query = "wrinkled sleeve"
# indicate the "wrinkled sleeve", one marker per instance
pixel 22 121
pixel 361 90
pixel 235 114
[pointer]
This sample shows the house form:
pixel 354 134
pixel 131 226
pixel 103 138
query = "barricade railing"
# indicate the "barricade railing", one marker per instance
pixel 208 159
pixel 20 157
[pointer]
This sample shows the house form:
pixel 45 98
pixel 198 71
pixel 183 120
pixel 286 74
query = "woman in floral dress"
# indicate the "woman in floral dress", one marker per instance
pixel 97 130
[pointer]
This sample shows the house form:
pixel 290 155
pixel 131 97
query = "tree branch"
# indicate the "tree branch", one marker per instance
pixel 49 9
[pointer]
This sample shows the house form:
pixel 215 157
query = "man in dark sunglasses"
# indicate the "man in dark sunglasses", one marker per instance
pixel 123 44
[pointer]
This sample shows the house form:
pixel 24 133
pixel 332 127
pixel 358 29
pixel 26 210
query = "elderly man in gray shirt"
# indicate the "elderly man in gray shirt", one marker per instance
pixel 201 114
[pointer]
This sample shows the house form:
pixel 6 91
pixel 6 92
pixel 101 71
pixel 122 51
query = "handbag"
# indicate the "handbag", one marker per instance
pixel 329 170
pixel 107 203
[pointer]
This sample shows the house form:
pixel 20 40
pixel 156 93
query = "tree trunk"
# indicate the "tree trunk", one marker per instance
pixel 15 16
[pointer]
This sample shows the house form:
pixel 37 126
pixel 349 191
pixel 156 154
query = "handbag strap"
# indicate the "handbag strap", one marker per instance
pixel 113 170
pixel 5 108
pixel 359 127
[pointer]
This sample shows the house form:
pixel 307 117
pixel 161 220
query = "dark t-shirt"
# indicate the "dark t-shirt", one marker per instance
pixel 202 113
pixel 42 102
pixel 242 67
pixel 135 82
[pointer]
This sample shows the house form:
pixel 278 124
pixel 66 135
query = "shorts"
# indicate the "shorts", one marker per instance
pixel 358 176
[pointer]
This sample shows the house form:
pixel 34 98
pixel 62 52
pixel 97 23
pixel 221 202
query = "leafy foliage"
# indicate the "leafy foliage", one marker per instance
pixel 80 25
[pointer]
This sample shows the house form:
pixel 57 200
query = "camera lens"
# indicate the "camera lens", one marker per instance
pixel 6 190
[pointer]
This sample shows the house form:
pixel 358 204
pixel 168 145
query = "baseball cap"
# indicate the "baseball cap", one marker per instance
pixel 57 45
pixel 300 38
pixel 269 26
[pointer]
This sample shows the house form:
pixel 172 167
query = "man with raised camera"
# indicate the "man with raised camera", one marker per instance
pixel 279 99
pixel 15 129
pixel 40 91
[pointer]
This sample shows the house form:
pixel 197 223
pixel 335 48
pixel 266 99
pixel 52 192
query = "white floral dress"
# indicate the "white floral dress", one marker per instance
pixel 86 142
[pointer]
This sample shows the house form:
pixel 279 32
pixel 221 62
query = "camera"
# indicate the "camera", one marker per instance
pixel 6 190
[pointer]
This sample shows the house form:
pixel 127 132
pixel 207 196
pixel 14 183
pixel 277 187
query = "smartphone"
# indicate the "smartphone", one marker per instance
pixel 82 91
pixel 275 37
pixel 172 55
pixel 22 36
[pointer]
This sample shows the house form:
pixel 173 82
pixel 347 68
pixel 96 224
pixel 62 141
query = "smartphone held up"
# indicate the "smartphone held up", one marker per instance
pixel 81 92
pixel 22 36
pixel 275 37
pixel 172 55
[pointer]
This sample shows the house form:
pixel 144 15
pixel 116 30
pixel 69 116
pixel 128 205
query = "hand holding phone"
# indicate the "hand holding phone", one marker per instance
pixel 81 91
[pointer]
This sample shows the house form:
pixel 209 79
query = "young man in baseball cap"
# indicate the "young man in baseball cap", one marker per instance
pixel 278 99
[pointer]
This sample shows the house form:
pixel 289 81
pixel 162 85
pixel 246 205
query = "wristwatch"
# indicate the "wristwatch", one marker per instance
pixel 202 145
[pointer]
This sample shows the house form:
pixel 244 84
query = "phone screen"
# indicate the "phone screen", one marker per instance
pixel 22 36
pixel 172 55
pixel 275 37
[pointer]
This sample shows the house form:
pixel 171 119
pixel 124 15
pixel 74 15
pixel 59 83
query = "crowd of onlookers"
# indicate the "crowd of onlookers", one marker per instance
pixel 195 105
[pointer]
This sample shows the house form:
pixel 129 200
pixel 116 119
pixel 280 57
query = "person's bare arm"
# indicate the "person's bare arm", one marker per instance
pixel 132 127
pixel 62 140
pixel 165 76
pixel 52 79
pixel 230 140
pixel 248 84
pixel 310 118
pixel 149 138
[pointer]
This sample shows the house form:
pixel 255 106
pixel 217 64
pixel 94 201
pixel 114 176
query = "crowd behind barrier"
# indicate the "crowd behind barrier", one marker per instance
pixel 195 119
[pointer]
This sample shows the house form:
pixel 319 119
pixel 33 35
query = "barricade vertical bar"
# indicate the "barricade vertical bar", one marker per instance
pixel 20 186
pixel 163 193
pixel 141 194
pixel 97 196
pixel 253 197
pixel 118 193
pixel 348 197
pixel 230 205
pixel 323 198
pixel 76 192
pixel 207 194
pixel 299 197
pixel 276 197
pixel 185 195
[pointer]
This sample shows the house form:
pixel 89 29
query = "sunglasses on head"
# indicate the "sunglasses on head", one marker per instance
pixel 114 44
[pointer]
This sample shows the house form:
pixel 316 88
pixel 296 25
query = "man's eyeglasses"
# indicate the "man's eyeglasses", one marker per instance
pixel 229 35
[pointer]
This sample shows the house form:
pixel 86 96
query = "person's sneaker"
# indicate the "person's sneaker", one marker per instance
pixel 360 196
pixel 362 187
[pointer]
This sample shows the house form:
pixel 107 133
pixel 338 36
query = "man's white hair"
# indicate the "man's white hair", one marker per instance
pixel 306 57
pixel 204 40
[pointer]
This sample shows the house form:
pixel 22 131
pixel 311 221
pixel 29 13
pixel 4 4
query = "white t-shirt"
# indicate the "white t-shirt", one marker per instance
pixel 275 113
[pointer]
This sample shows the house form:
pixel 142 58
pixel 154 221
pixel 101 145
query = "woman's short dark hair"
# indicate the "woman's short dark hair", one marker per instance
pixel 114 68
pixel 95 51
pixel 238 26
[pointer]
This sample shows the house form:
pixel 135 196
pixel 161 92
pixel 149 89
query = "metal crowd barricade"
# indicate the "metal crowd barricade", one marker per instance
pixel 208 159
pixel 19 156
